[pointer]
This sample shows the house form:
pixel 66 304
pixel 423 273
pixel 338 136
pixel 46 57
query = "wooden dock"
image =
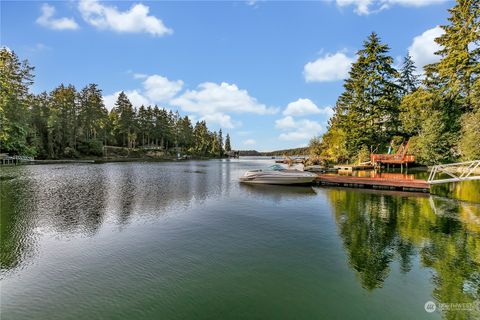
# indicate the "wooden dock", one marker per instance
pixel 374 183
pixel 353 167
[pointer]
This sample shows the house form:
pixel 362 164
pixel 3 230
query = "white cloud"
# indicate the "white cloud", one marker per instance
pixel 224 120
pixel 160 89
pixel 297 130
pixel 365 7
pixel 140 76
pixel 361 6
pixel 214 101
pixel 423 47
pixel 330 67
pixel 285 123
pixel 47 20
pixel 303 107
pixel 135 20
pixel 249 142
pixel 156 89
pixel 135 97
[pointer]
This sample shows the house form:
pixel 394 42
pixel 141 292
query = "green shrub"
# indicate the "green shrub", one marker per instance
pixel 91 147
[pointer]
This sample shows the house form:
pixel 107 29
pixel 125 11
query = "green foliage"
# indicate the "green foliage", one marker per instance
pixel 434 142
pixel 408 79
pixel 91 148
pixel 15 79
pixel 475 95
pixel 125 124
pixel 68 124
pixel 416 107
pixel 69 152
pixel 439 116
pixel 363 155
pixel 368 108
pixel 228 147
pixel 315 147
pixel 470 138
pixel 93 115
pixel 334 144
pixel 460 51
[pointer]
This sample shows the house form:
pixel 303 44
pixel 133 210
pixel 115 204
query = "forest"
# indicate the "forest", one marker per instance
pixel 437 111
pixel 67 123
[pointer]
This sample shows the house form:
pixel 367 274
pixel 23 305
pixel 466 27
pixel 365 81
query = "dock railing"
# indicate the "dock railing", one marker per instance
pixel 7 159
pixel 460 171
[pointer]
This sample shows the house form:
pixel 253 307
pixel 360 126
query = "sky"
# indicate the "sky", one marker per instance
pixel 266 72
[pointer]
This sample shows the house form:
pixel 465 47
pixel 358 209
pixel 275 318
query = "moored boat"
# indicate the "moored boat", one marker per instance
pixel 277 174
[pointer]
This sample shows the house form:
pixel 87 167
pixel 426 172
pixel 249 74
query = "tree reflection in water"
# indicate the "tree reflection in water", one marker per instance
pixel 378 228
pixel 17 241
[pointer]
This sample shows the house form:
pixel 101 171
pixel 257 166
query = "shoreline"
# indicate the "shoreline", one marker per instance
pixel 106 160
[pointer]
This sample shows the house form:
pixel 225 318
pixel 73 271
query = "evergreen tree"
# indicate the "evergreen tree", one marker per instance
pixel 460 51
pixel 228 146
pixel 62 121
pixel 143 124
pixel 368 108
pixel 213 138
pixel 125 126
pixel 201 138
pixel 408 79
pixel 93 118
pixel 185 133
pixel 470 136
pixel 39 133
pixel 15 79
pixel 221 151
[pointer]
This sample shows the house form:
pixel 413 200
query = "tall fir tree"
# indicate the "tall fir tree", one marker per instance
pixel 228 146
pixel 368 108
pixel 39 133
pixel 221 151
pixel 409 80
pixel 93 115
pixel 460 51
pixel 62 121
pixel 125 126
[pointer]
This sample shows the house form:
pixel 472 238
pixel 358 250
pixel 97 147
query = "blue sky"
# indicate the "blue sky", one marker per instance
pixel 267 72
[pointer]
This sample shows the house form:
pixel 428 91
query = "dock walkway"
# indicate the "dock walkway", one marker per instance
pixel 375 183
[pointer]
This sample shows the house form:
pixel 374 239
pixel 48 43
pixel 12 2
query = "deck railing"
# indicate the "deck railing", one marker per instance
pixel 460 171
pixel 391 157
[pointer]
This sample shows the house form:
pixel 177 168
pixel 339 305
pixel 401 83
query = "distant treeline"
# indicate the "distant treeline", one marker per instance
pixel 67 123
pixel 278 153
pixel 288 152
pixel 249 153
pixel 382 106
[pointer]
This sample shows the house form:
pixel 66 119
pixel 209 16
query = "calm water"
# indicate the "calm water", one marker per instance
pixel 187 241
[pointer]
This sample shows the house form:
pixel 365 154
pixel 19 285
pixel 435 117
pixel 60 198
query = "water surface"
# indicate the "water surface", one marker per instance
pixel 186 241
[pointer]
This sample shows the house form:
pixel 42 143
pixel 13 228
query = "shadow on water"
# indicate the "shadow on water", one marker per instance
pixel 465 190
pixel 378 229
pixel 277 190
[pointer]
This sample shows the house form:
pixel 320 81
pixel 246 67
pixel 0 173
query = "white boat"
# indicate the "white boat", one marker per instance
pixel 277 174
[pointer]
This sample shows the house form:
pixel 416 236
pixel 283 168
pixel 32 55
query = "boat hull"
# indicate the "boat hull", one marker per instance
pixel 280 180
